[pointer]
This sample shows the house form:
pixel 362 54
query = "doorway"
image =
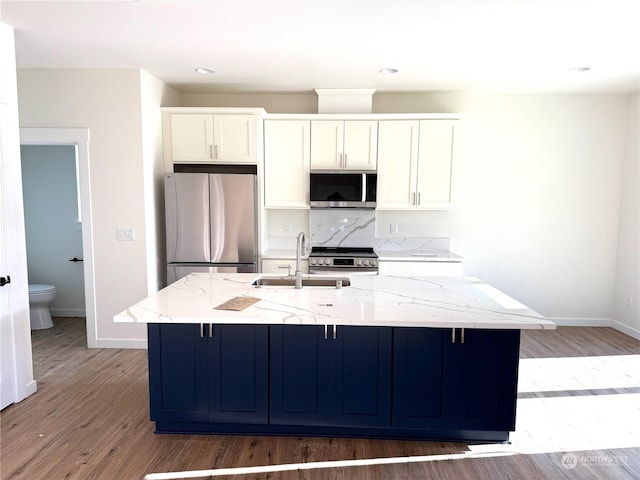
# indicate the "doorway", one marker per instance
pixel 52 224
pixel 78 138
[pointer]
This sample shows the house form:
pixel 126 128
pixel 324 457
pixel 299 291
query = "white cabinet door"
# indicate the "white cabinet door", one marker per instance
pixel 327 142
pixel 425 269
pixel 192 138
pixel 434 163
pixel 286 163
pixel 344 145
pixel 283 266
pixel 360 145
pixel 234 138
pixel 397 164
pixel 208 138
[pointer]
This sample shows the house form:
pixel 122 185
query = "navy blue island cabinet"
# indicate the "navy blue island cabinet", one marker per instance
pixel 334 375
pixel 200 374
pixel 377 382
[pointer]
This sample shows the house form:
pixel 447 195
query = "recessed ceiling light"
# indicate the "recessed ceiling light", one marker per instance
pixel 580 69
pixel 388 71
pixel 205 71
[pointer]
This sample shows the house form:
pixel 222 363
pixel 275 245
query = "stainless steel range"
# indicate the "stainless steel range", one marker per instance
pixel 343 260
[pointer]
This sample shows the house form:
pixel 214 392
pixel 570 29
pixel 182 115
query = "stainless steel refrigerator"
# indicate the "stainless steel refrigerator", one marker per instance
pixel 211 223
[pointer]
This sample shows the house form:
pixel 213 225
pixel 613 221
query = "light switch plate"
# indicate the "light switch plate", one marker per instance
pixel 126 234
pixel 393 228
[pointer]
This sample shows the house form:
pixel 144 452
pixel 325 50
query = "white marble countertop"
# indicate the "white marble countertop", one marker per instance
pixel 388 255
pixel 444 302
pixel 417 256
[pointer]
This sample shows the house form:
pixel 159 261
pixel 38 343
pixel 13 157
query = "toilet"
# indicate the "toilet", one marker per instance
pixel 40 296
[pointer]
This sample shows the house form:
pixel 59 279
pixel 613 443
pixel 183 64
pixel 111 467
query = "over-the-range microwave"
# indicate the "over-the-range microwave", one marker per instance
pixel 342 189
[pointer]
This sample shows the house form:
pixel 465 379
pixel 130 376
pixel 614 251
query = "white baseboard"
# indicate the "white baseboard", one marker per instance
pixel 597 322
pixel 68 312
pixel 626 329
pixel 582 322
pixel 121 343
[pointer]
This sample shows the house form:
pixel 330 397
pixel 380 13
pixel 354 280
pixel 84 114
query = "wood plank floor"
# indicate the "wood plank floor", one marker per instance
pixel 578 417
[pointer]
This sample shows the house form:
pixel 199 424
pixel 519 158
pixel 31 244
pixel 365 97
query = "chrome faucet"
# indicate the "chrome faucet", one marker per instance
pixel 301 243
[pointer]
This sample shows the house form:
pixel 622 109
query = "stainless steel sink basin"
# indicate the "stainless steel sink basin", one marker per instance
pixel 307 281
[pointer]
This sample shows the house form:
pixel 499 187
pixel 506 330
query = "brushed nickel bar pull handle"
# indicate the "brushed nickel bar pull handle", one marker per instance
pixel 413 198
pixel 215 152
pixel 335 332
pixel 201 330
pixel 340 160
pixel 210 330
pixel 211 151
pixel 345 160
pixel 418 203
pixel 453 335
pixel 325 331
pixel 462 337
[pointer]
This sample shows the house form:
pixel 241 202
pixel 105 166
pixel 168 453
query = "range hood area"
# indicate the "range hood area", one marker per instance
pixel 345 100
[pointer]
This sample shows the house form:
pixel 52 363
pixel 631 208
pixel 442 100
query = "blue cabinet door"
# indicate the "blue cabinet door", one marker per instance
pixel 421 393
pixel 486 372
pixel 440 383
pixel 361 376
pixel 177 373
pixel 300 364
pixel 238 365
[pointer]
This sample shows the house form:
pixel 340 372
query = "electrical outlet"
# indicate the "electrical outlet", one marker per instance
pixel 287 228
pixel 628 302
pixel 393 228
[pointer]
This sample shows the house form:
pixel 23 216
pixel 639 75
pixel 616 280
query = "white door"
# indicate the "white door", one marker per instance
pixel 7 380
pixel 397 161
pixel 327 141
pixel 286 163
pixel 192 138
pixel 434 163
pixel 360 145
pixel 234 138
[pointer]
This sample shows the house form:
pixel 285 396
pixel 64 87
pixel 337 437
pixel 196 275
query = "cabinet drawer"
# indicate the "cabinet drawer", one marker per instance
pixel 284 267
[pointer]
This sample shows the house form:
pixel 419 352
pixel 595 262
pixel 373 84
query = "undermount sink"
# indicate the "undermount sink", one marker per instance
pixel 307 281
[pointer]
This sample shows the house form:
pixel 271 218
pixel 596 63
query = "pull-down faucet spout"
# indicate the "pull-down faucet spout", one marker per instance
pixel 300 245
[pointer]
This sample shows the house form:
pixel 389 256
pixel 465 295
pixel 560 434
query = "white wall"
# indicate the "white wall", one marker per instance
pixel 538 183
pixel 154 93
pixel 110 104
pixel 538 192
pixel 627 282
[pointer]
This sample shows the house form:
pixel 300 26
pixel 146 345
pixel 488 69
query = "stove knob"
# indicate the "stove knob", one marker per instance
pixel 312 261
pixel 365 262
pixel 358 262
pixel 374 262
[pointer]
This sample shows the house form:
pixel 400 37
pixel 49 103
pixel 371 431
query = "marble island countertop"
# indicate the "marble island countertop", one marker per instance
pixel 442 302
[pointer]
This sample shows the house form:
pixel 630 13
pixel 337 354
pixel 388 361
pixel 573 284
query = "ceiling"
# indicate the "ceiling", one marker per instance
pixel 514 46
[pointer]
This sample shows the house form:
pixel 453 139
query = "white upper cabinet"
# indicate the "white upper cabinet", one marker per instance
pixel 397 163
pixel 435 162
pixel 213 138
pixel 415 159
pixel 286 163
pixel 344 145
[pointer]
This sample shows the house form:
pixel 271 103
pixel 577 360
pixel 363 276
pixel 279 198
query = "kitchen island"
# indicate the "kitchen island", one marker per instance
pixel 384 357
